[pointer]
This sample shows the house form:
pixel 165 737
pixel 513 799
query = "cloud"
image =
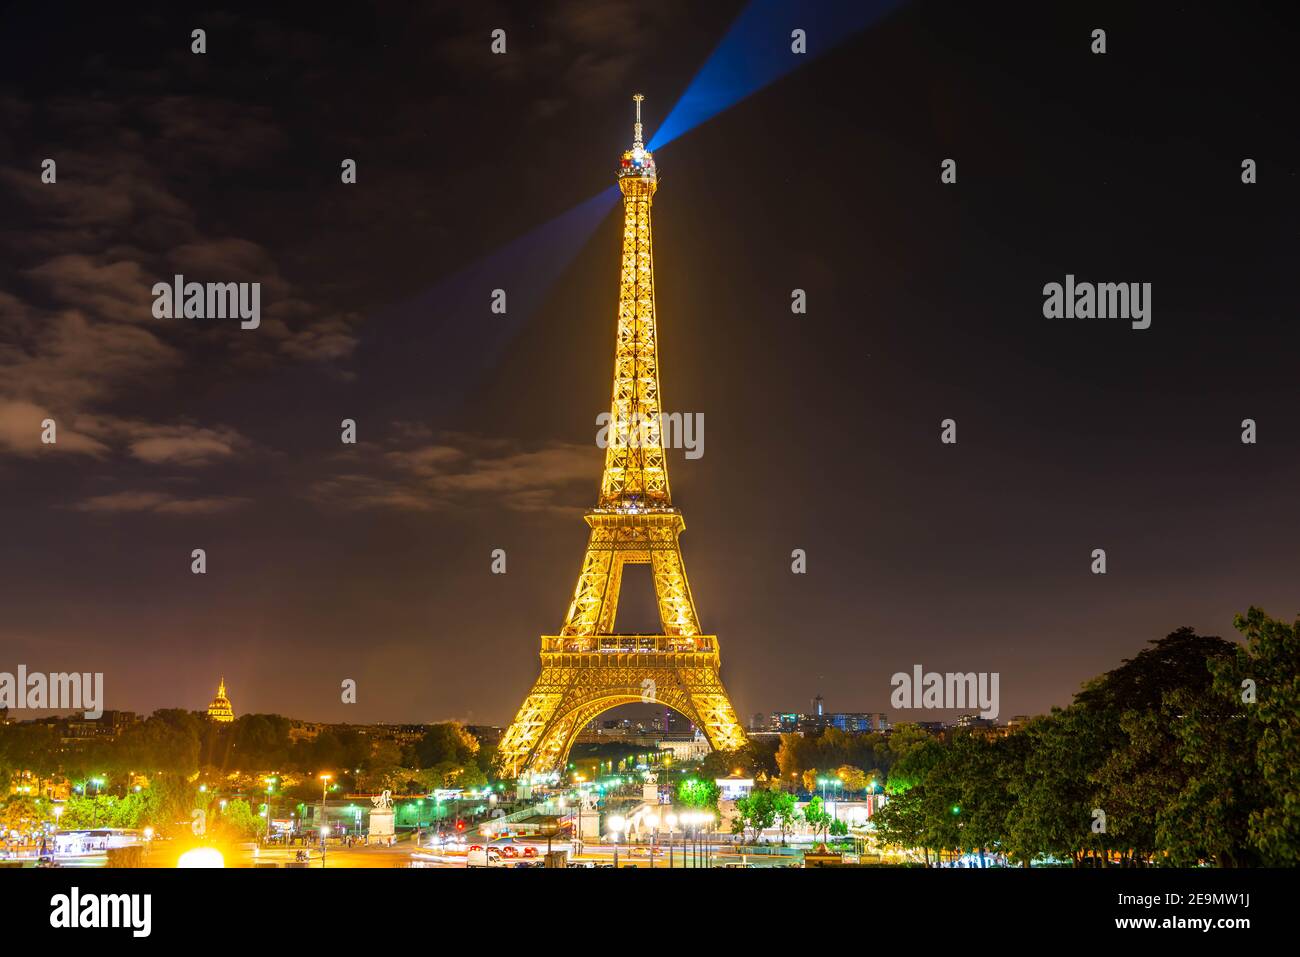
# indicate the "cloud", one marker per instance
pixel 460 471
pixel 69 362
pixel 78 339
pixel 183 444
pixel 20 433
pixel 161 503
pixel 118 290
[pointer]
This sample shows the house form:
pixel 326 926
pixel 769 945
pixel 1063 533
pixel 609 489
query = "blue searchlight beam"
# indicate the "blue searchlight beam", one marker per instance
pixel 757 51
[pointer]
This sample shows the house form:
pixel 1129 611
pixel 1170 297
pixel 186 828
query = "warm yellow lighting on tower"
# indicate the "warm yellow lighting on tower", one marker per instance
pixel 586 668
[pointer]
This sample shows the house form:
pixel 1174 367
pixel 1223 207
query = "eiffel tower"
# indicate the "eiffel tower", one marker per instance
pixel 587 668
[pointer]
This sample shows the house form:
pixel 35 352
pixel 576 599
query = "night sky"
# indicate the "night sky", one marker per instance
pixel 372 562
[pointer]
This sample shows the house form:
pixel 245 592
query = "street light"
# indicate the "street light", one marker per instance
pixel 616 826
pixel 324 784
pixel 671 820
pixel 270 786
pixel 653 821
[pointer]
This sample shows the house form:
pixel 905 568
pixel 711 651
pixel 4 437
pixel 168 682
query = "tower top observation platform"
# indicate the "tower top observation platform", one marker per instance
pixel 638 162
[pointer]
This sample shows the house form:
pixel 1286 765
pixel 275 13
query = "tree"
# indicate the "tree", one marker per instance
pixel 241 821
pixel 1052 810
pixel 1139 773
pixel 166 742
pixel 756 812
pixel 901 821
pixel 912 766
pixel 1243 753
pixel 756 760
pixel 816 816
pixel 901 740
pixel 702 795
pixel 83 812
pixel 446 743
pixel 855 779
pixel 791 756
pixel 785 812
pixel 1209 818
pixel 719 764
pixel 21 813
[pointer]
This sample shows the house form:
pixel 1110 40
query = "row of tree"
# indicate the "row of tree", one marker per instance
pixel 857 762
pixel 173 745
pixel 765 808
pixel 1187 753
pixel 168 810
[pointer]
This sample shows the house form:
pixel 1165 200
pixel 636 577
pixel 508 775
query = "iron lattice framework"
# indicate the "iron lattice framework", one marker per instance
pixel 587 669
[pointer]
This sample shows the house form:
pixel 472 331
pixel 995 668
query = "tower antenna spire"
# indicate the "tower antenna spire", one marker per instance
pixel 636 130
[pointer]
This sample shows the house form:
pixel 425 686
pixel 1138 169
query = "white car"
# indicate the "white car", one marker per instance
pixel 480 856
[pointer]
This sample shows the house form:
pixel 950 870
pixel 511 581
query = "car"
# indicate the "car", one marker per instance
pixel 480 856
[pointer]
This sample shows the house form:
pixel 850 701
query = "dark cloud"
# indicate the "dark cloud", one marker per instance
pixel 461 472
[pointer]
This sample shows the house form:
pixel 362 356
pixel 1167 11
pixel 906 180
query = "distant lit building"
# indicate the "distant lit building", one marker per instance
pixel 220 710
pixel 109 724
pixel 684 748
pixel 734 787
pixel 854 721
pixel 819 720
pixel 304 731
pixel 785 721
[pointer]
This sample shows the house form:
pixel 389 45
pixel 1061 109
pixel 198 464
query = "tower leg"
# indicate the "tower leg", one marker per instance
pixel 567 697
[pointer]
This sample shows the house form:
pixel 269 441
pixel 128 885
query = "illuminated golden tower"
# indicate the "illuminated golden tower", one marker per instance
pixel 587 669
pixel 220 709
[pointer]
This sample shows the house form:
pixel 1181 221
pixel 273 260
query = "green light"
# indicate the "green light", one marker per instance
pixel 956 809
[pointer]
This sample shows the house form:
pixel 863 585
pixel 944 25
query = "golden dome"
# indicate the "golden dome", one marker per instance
pixel 220 709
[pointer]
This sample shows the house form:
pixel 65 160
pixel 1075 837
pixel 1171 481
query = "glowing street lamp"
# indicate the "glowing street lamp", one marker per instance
pixel 616 826
pixel 201 857
pixel 270 787
pixel 653 821
pixel 324 830
pixel 671 820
